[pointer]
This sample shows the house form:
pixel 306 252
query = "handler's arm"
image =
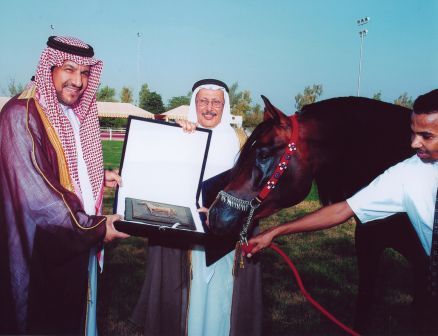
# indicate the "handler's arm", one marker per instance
pixel 321 219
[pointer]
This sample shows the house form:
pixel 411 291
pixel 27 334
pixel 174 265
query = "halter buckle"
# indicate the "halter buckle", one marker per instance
pixel 255 203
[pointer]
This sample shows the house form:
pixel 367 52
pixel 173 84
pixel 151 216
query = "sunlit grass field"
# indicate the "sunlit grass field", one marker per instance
pixel 112 152
pixel 325 260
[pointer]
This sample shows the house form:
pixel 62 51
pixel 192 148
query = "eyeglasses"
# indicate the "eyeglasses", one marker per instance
pixel 214 103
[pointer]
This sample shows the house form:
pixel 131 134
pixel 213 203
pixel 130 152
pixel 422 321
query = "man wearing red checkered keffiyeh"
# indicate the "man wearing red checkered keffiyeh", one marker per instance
pixel 85 109
pixel 52 178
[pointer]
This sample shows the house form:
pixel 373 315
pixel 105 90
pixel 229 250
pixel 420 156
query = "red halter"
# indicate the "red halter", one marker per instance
pixel 253 204
pixel 284 162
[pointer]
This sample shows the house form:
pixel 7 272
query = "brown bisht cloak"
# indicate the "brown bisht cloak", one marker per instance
pixel 45 235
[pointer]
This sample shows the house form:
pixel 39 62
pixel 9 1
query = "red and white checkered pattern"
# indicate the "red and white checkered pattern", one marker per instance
pixel 85 109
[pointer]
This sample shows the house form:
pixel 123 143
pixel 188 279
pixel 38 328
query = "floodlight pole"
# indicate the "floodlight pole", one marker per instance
pixel 362 34
pixel 138 66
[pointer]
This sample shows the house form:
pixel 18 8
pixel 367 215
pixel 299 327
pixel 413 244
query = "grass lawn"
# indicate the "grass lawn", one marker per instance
pixel 112 152
pixel 325 260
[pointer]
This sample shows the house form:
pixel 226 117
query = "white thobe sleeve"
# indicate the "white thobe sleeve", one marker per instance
pixel 382 198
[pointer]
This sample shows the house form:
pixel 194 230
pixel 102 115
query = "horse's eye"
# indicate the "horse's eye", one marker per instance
pixel 262 156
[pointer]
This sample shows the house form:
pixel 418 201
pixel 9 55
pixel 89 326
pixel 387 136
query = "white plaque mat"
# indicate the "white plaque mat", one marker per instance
pixel 162 163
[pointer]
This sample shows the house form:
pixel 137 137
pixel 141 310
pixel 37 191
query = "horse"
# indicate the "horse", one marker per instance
pixel 341 144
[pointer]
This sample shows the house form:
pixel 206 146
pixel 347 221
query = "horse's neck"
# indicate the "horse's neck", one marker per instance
pixel 348 153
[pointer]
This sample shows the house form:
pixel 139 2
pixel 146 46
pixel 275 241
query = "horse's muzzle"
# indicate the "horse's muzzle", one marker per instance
pixel 224 220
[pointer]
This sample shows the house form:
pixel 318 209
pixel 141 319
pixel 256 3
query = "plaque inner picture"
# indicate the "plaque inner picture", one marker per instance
pixel 161 214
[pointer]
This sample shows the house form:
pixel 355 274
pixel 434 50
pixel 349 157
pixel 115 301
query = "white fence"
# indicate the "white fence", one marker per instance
pixel 112 133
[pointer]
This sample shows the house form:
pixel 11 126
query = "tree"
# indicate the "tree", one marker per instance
pixel 309 96
pixel 126 95
pixel 234 94
pixel 242 104
pixel 143 95
pixel 253 117
pixel 113 122
pixel 404 100
pixel 150 101
pixel 153 103
pixel 14 88
pixel 106 94
pixel 377 96
pixel 178 101
pixel 240 101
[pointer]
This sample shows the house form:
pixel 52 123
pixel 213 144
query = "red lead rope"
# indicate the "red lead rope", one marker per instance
pixel 273 246
pixel 271 184
pixel 307 295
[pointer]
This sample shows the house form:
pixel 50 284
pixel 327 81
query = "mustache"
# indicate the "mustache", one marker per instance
pixel 71 85
pixel 209 113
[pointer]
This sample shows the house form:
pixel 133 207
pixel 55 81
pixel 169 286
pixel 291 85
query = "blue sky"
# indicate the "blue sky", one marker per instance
pixel 275 48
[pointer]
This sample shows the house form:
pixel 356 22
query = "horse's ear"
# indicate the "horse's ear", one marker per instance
pixel 271 112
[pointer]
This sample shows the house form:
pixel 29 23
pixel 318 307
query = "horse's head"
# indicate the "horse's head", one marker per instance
pixel 255 166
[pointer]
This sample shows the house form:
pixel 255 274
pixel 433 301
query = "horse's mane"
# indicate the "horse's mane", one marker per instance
pixel 358 138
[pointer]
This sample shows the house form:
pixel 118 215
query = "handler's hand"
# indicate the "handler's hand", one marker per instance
pixel 260 242
pixel 187 126
pixel 112 178
pixel 111 232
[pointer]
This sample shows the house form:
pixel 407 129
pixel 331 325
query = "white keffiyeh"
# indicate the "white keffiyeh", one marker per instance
pixel 224 144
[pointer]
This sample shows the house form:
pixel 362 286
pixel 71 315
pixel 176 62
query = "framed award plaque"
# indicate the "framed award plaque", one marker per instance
pixel 162 170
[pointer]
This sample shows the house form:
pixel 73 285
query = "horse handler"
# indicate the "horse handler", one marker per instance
pixel 409 186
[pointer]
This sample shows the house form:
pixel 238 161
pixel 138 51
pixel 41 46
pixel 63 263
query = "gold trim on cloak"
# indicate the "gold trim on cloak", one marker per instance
pixel 28 93
pixel 64 174
pixel 63 169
